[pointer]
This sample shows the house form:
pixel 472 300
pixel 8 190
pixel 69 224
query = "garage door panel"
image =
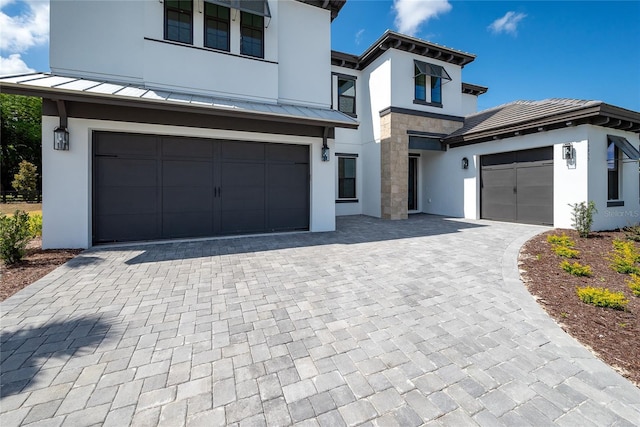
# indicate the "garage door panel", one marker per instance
pixel 288 219
pixel 126 145
pixel 182 173
pixel 185 199
pixel 114 171
pixel 186 224
pixel 123 200
pixel 288 153
pixel 242 221
pixel 187 148
pixel 250 198
pixel 116 228
pixel 245 151
pixel 535 194
pixel 235 175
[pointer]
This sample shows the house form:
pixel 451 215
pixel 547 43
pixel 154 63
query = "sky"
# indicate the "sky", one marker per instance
pixel 525 50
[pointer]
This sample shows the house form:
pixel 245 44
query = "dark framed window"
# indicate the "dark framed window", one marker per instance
pixel 216 26
pixel 178 21
pixel 432 75
pixel 347 96
pixel 613 172
pixel 346 177
pixel 251 35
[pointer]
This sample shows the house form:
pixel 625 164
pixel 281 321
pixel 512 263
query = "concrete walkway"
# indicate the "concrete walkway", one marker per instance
pixel 385 323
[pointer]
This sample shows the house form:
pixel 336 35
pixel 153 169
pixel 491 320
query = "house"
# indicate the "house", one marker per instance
pixel 215 117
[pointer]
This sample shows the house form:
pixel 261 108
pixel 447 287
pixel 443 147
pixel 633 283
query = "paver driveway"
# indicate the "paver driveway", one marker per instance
pixel 393 323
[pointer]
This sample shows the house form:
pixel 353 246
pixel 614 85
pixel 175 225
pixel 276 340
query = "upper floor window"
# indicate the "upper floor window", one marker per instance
pixel 178 21
pixel 216 26
pixel 252 35
pixel 347 95
pixel 429 78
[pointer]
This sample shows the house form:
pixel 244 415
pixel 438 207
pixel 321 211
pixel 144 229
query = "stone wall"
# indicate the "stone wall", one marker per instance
pixel 394 157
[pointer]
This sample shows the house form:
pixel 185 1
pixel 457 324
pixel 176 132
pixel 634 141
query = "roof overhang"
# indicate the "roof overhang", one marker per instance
pixel 333 5
pixel 393 40
pixel 472 89
pixel 109 93
pixel 597 114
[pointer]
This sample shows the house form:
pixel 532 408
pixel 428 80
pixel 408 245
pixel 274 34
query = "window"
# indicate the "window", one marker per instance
pixel 430 74
pixel 347 177
pixel 178 21
pixel 252 35
pixel 347 95
pixel 216 26
pixel 613 172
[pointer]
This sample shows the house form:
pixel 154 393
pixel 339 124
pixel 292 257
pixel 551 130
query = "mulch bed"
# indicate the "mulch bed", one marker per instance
pixel 614 336
pixel 37 263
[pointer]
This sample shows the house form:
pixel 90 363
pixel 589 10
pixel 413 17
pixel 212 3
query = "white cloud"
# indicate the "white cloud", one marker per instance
pixel 410 14
pixel 26 30
pixel 13 65
pixel 359 36
pixel 507 24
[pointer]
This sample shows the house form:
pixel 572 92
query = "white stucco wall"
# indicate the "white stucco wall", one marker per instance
pixel 612 217
pixel 469 104
pixel 67 176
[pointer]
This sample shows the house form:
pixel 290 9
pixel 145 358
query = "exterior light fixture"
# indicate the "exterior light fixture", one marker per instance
pixel 567 151
pixel 325 153
pixel 61 138
pixel 465 163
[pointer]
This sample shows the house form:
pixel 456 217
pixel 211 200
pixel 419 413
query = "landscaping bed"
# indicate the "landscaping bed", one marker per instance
pixel 613 335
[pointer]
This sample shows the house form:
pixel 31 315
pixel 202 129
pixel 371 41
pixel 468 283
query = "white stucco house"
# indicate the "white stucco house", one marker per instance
pixel 200 118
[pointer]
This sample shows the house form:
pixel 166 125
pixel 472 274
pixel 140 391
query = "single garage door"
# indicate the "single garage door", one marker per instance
pixel 148 187
pixel 517 186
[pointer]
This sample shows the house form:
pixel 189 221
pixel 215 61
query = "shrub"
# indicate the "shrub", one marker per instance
pixel 35 224
pixel 632 232
pixel 562 240
pixel 582 217
pixel 624 258
pixel 634 284
pixel 15 233
pixel 565 252
pixel 602 297
pixel 25 182
pixel 576 269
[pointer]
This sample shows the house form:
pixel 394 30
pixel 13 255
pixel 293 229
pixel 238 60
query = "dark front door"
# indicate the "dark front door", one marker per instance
pixel 149 187
pixel 413 184
pixel 517 186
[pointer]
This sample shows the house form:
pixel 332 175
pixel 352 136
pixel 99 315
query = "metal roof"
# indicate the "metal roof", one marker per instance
pixel 520 117
pixel 51 86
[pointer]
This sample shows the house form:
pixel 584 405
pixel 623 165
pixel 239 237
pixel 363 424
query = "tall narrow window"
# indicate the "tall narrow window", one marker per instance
pixel 347 96
pixel 252 35
pixel 420 85
pixel 613 172
pixel 216 26
pixel 178 21
pixel 346 177
pixel 432 75
pixel 436 90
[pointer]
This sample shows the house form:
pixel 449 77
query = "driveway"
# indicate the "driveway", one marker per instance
pixel 387 323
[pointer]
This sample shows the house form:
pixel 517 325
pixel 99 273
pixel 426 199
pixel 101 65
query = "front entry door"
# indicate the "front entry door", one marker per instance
pixel 413 184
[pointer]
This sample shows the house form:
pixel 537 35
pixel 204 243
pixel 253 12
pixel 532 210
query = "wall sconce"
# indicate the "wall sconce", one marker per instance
pixel 61 139
pixel 567 151
pixel 325 153
pixel 465 163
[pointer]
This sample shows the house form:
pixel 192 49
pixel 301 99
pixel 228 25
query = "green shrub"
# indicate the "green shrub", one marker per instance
pixel 565 252
pixel 35 224
pixel 602 297
pixel 582 217
pixel 634 284
pixel 625 257
pixel 15 233
pixel 562 240
pixel 25 182
pixel 576 269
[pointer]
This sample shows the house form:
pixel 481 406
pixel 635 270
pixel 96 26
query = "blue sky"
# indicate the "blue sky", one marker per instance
pixel 525 50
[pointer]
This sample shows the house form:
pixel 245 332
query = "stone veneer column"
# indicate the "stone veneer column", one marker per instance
pixel 394 157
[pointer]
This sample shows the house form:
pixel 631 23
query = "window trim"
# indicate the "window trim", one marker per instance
pixel 244 26
pixel 353 157
pixel 207 18
pixel 354 97
pixel 167 8
pixel 423 69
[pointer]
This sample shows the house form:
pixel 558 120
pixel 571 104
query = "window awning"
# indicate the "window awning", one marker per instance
pixel 255 7
pixel 625 146
pixel 424 68
pixel 426 142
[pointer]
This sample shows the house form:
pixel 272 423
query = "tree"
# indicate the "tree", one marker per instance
pixel 20 135
pixel 25 182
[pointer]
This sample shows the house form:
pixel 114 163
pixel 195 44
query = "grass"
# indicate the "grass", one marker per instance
pixel 10 208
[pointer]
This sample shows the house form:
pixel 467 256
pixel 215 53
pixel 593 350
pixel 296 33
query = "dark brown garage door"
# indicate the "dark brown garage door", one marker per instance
pixel 157 187
pixel 518 186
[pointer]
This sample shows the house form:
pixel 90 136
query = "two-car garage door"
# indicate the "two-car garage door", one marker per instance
pixel 149 187
pixel 517 186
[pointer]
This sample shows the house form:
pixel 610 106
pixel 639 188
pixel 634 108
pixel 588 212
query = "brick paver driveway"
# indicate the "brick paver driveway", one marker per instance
pixel 393 323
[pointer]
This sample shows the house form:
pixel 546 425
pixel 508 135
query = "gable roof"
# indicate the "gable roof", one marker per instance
pixel 392 40
pixel 57 87
pixel 522 117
